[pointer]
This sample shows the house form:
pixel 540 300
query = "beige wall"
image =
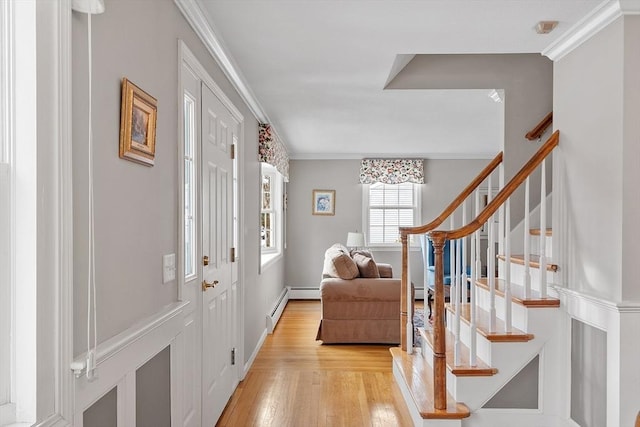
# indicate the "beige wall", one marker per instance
pixel 309 236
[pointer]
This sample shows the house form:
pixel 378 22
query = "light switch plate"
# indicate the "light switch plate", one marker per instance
pixel 168 268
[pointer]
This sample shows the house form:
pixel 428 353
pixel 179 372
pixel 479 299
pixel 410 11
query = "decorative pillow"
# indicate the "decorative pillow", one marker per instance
pixel 338 263
pixel 366 265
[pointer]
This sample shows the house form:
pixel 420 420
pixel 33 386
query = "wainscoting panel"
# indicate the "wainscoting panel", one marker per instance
pixel 118 360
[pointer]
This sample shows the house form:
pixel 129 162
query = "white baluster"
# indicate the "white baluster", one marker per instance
pixel 507 273
pixel 501 212
pixel 477 272
pixel 491 267
pixel 527 244
pixel 454 294
pixel 543 230
pixel 409 326
pixel 465 283
pixel 459 286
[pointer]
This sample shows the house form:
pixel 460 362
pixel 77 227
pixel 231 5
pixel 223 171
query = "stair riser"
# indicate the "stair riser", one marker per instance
pixel 535 245
pixel 517 275
pixel 519 313
pixel 483 345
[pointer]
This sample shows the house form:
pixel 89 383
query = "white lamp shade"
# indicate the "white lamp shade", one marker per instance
pixel 355 239
pixel 88 6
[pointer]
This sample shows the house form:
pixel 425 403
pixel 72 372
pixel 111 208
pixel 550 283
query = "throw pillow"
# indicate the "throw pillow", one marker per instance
pixel 338 263
pixel 366 265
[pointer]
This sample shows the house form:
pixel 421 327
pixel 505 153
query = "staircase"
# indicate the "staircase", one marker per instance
pixel 481 352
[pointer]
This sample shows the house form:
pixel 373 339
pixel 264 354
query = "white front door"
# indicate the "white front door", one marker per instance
pixel 219 302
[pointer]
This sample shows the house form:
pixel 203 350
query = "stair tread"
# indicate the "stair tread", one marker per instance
pixel 483 325
pixel 418 377
pixel 538 231
pixel 534 261
pixel 517 294
pixel 464 369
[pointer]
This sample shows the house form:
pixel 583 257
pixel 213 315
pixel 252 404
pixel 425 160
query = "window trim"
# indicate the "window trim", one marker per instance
pixel 268 256
pixel 417 217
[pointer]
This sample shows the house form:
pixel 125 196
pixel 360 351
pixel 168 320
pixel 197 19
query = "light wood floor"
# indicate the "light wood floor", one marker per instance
pixel 296 381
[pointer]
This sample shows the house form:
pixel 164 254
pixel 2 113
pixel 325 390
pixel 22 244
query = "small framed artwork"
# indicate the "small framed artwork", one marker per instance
pixel 137 124
pixel 324 202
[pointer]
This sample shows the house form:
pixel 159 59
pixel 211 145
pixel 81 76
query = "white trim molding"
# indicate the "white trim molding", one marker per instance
pixel 194 13
pixel 607 12
pixel 55 209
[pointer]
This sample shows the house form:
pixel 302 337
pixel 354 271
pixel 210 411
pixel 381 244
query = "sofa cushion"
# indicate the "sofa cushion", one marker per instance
pixel 338 263
pixel 366 265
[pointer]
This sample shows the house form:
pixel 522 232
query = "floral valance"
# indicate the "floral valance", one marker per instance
pixel 271 150
pixel 392 171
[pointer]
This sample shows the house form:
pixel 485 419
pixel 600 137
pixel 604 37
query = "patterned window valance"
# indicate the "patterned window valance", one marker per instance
pixel 271 150
pixel 392 171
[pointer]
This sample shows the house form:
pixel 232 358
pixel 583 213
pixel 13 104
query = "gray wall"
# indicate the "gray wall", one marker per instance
pixel 588 375
pixel 136 207
pixel 309 236
pixel 153 391
pixel 588 110
pixel 103 413
pixel 527 80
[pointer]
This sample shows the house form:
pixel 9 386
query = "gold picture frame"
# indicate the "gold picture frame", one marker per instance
pixel 323 202
pixel 138 114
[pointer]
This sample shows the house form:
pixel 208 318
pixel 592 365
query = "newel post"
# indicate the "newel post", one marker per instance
pixel 403 291
pixel 438 239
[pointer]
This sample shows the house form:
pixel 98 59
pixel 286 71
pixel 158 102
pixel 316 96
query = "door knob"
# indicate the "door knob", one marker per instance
pixel 206 285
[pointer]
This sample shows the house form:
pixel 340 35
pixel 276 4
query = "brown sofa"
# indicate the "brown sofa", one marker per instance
pixel 358 309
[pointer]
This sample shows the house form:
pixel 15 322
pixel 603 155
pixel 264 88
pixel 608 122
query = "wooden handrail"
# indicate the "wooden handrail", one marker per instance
pixel 484 173
pixel 503 195
pixel 537 131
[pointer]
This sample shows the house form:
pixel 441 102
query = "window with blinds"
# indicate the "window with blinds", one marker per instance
pixel 390 206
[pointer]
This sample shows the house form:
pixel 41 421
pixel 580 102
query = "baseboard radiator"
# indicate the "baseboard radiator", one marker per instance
pixel 274 314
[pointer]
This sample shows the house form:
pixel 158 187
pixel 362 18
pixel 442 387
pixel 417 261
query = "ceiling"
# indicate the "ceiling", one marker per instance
pixel 318 69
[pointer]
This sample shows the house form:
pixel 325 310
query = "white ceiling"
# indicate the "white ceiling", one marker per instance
pixel 318 69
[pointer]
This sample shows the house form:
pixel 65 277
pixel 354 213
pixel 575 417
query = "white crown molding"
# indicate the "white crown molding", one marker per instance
pixel 360 156
pixel 607 12
pixel 197 18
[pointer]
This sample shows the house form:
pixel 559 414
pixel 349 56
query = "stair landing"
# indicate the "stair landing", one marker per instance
pixel 417 376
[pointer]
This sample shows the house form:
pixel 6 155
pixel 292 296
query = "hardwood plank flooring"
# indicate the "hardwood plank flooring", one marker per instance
pixel 297 381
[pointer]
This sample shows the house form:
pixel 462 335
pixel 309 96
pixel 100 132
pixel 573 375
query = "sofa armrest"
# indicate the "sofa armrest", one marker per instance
pixel 385 270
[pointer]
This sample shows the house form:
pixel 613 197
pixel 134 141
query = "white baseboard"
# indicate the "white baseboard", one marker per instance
pixel 255 352
pixel 274 314
pixel 301 292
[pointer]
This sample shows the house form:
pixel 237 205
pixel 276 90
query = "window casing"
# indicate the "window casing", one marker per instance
pixel 386 207
pixel 270 213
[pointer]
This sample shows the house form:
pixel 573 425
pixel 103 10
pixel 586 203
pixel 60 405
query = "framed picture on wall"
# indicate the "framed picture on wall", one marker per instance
pixel 137 124
pixel 323 202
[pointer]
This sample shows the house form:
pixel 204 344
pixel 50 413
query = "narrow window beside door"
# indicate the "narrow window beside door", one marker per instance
pixel 189 186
